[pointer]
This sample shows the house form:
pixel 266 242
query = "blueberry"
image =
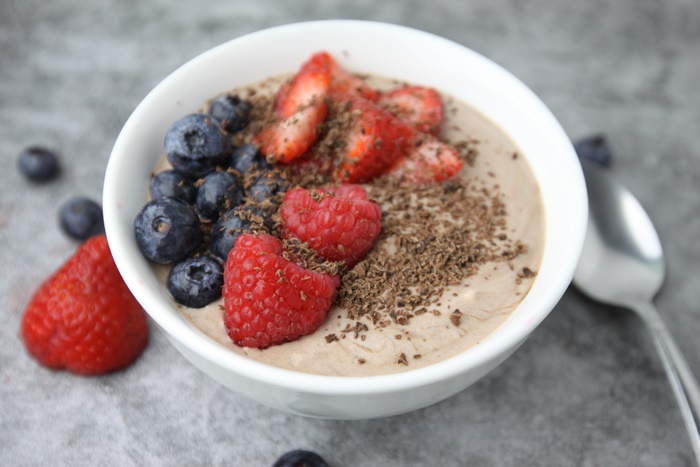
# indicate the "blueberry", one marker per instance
pixel 300 458
pixel 266 186
pixel 167 230
pixel 38 164
pixel 81 218
pixel 173 185
pixel 595 149
pixel 196 281
pixel 232 224
pixel 232 111
pixel 247 158
pixel 220 192
pixel 195 145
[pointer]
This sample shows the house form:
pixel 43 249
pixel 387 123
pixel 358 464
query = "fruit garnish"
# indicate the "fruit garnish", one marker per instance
pixel 375 139
pixel 196 281
pixel 38 164
pixel 429 159
pixel 269 299
pixel 196 144
pixel 84 318
pixel 81 218
pixel 337 222
pixel 422 106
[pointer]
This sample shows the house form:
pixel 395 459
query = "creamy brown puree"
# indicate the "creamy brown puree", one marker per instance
pixel 463 317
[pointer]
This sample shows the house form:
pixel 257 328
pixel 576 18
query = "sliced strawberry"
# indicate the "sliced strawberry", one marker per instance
pixel 344 82
pixel 429 160
pixel 291 137
pixel 419 105
pixel 309 86
pixel 375 140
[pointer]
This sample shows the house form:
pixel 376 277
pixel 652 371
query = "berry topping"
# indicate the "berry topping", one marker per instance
pixel 300 458
pixel 301 108
pixel 308 87
pixel 83 318
pixel 247 158
pixel 81 218
pixel 196 144
pixel 38 164
pixel 269 299
pixel 338 222
pixel 196 281
pixel 266 186
pixel 173 185
pixel 287 139
pixel 167 230
pixel 376 138
pixel 343 82
pixel 232 111
pixel 218 193
pixel 246 219
pixel 595 149
pixel 428 160
pixel 419 105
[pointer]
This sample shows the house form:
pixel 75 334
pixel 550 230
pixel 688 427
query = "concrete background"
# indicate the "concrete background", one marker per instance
pixel 585 390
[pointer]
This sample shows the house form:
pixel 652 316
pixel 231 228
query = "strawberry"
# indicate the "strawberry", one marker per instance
pixel 301 108
pixel 268 299
pixel 375 140
pixel 429 159
pixel 343 82
pixel 338 222
pixel 310 85
pixel 84 318
pixel 288 139
pixel 419 105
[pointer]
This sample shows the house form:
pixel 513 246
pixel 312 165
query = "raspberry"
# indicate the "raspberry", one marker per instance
pixel 84 318
pixel 338 222
pixel 268 299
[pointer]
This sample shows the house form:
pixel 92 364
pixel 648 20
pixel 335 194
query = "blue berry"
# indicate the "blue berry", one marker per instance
pixel 196 281
pixel 169 183
pixel 247 158
pixel 195 145
pixel 232 111
pixel 220 192
pixel 38 164
pixel 595 149
pixel 266 186
pixel 245 219
pixel 81 218
pixel 300 458
pixel 167 230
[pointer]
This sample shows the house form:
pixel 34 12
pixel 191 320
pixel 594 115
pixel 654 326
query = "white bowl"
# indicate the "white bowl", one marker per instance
pixel 362 47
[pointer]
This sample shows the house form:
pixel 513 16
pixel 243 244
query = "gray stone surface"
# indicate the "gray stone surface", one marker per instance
pixel 585 390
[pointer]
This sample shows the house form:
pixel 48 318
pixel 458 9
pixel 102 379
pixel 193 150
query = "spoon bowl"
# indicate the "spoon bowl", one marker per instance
pixel 623 261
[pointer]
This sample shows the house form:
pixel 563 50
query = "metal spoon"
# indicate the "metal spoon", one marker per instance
pixel 622 264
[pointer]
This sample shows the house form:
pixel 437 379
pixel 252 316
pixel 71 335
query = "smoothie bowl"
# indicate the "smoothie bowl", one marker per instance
pixel 466 266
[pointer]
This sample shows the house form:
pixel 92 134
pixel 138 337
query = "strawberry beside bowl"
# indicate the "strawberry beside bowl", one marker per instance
pixel 367 48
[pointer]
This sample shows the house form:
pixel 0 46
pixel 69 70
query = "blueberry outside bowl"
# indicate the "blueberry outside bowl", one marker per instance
pixel 361 47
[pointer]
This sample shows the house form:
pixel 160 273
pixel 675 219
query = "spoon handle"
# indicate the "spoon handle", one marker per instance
pixel 679 374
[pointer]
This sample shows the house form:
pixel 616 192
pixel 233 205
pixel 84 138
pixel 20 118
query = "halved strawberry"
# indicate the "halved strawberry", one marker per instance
pixel 344 82
pixel 428 160
pixel 375 140
pixel 419 105
pixel 309 86
pixel 291 137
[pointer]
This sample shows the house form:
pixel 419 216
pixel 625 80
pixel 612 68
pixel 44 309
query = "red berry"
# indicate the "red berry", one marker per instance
pixel 375 140
pixel 429 159
pixel 338 222
pixel 301 108
pixel 344 82
pixel 84 318
pixel 419 105
pixel 268 299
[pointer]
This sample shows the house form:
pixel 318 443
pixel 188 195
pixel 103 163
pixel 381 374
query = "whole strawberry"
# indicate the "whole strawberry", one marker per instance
pixel 84 318
pixel 338 222
pixel 269 299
